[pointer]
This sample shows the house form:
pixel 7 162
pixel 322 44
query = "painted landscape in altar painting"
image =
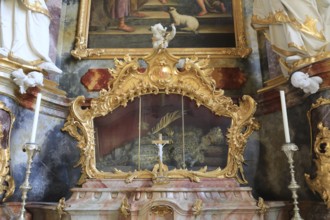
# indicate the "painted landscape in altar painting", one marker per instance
pixel 216 28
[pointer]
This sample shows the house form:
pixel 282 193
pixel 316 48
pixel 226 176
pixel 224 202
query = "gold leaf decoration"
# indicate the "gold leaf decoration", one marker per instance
pixel 7 183
pixel 162 77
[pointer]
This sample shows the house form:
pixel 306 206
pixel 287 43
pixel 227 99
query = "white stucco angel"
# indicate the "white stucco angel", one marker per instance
pixel 307 84
pixel 24 33
pixel 161 38
pixel 24 81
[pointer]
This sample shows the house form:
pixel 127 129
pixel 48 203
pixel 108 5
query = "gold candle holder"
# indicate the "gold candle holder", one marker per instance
pixel 289 149
pixel 31 149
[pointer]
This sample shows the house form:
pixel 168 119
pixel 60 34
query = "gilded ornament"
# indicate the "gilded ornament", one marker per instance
pixel 309 27
pixel 321 183
pixel 125 208
pixel 159 172
pixel 81 51
pixel 36 6
pixel 161 210
pixel 7 184
pixel 60 207
pixel 273 18
pixel 194 81
pixel 262 206
pixel 197 207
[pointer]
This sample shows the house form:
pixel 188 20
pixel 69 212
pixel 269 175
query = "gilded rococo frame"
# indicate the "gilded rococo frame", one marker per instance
pixel 82 51
pixel 7 184
pixel 162 76
pixel 320 145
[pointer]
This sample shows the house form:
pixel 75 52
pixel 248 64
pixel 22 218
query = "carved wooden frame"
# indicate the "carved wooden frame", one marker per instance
pixel 81 50
pixel 7 184
pixel 162 76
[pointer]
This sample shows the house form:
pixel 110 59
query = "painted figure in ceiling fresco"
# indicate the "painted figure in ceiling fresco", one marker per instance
pixel 295 30
pixel 24 35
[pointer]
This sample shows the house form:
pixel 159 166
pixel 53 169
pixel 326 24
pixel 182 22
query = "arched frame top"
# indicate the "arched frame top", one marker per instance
pixel 194 80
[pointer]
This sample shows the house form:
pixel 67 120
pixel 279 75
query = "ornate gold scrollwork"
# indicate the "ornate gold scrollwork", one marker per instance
pixel 161 210
pixel 162 76
pixel 7 184
pixel 321 148
pixel 262 206
pixel 60 207
pixel 321 183
pixel 125 208
pixel 197 207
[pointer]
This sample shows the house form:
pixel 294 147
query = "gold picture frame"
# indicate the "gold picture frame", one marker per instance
pixel 239 49
pixel 193 81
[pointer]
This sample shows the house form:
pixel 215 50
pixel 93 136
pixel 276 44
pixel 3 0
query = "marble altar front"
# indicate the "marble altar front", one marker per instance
pixel 179 199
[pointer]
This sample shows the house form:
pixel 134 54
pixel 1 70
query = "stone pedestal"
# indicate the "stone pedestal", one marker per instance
pixel 180 199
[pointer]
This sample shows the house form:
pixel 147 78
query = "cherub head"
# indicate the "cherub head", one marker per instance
pixel 307 84
pixel 300 80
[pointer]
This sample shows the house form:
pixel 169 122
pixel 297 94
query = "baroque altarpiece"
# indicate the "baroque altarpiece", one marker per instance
pixel 162 141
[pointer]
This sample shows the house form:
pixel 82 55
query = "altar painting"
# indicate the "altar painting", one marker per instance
pixel 108 30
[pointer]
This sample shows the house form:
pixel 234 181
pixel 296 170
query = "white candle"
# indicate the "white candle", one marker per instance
pixel 35 119
pixel 285 117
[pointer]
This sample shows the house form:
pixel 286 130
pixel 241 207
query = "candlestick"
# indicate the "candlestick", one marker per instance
pixel 35 119
pixel 289 149
pixel 31 149
pixel 285 117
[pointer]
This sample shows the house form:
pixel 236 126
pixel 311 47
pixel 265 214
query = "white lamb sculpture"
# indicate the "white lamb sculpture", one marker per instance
pixel 32 79
pixel 307 84
pixel 161 38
